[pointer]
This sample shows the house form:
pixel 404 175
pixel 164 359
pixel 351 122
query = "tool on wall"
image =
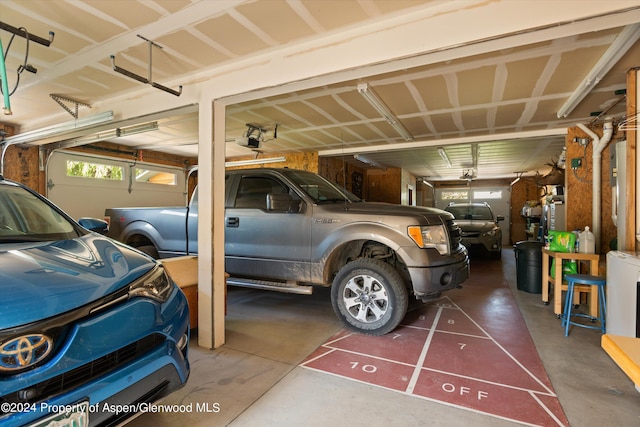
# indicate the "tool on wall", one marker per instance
pixel 149 79
pixel 22 32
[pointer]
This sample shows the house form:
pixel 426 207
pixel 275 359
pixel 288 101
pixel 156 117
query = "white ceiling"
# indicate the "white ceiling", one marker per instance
pixel 488 94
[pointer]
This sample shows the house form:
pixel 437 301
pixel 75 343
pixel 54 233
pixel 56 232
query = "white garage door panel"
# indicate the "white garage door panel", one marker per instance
pixel 89 197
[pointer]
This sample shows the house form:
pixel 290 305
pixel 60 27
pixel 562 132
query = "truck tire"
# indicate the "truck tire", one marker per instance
pixel 369 296
pixel 149 250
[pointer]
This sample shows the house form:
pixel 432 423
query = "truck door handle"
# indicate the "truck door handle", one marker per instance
pixel 233 221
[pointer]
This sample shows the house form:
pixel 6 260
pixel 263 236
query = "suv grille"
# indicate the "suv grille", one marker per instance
pixel 83 374
pixel 470 234
pixel 455 235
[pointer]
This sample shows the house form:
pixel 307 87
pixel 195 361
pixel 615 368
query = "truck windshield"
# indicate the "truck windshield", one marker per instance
pixel 318 188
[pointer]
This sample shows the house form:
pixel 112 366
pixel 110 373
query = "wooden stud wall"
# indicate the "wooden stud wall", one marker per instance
pixel 384 185
pixel 632 141
pixel 21 164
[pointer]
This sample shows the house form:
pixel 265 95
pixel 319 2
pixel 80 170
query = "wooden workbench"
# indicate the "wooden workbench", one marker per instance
pixel 555 278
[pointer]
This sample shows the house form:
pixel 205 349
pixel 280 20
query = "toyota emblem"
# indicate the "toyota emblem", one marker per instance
pixel 24 351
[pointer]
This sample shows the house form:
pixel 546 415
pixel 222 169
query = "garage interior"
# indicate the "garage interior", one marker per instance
pixel 475 95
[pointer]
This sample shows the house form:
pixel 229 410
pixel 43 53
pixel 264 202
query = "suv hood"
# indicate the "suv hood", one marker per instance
pixel 44 279
pixel 475 225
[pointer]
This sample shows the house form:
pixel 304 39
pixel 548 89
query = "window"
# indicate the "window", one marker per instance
pixel 455 195
pixel 155 177
pixel 254 189
pixel 496 195
pixel 94 170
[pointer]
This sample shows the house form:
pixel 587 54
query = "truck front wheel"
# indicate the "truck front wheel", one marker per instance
pixel 369 296
pixel 149 250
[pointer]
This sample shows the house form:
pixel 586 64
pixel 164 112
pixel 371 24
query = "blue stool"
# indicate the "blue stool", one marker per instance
pixel 583 279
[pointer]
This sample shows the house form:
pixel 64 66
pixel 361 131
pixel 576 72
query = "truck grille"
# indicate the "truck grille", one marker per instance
pixel 85 373
pixel 455 235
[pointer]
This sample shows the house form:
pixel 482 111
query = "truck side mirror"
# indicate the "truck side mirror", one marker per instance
pixel 499 218
pixel 281 202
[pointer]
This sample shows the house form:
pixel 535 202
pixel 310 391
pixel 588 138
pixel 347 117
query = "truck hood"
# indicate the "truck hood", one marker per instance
pixel 43 279
pixel 377 208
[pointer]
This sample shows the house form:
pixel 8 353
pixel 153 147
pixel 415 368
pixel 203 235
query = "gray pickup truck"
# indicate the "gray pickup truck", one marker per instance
pixel 288 230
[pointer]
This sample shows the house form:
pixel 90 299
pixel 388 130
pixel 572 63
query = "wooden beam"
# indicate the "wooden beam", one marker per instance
pixel 630 197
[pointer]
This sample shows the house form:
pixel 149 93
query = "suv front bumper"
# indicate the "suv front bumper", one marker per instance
pixel 129 354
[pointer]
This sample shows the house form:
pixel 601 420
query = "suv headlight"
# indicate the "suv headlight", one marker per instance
pixel 491 232
pixel 430 236
pixel 155 285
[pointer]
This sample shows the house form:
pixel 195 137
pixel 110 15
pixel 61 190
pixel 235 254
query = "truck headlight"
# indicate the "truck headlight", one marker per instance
pixel 155 285
pixel 430 236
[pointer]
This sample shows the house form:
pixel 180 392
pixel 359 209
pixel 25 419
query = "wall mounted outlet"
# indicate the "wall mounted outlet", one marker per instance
pixel 576 163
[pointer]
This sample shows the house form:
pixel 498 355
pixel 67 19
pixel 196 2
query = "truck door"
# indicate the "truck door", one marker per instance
pixel 265 244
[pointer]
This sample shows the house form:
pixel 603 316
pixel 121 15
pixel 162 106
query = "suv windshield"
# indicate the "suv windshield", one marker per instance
pixel 471 212
pixel 26 218
pixel 318 188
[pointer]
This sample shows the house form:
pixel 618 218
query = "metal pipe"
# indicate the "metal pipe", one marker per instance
pixel 599 144
pixel 5 84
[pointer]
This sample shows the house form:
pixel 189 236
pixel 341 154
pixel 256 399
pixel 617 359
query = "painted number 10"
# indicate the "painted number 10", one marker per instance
pixel 369 369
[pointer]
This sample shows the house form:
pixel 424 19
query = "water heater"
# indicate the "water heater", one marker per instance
pixel 623 294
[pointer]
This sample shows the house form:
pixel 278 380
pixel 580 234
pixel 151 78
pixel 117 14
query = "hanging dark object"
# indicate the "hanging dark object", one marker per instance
pixel 149 79
pixel 21 32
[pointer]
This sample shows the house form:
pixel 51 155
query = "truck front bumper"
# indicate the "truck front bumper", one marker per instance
pixel 430 282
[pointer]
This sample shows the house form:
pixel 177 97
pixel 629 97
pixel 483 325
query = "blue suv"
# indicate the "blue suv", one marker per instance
pixel 91 331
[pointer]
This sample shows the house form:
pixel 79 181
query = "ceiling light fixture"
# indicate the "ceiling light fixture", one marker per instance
pixel 254 161
pixel 518 176
pixel 620 45
pixel 59 129
pixel 372 98
pixel 444 156
pixel 135 129
pixel 368 161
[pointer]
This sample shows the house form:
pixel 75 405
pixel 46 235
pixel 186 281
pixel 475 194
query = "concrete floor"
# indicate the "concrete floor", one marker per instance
pixel 255 380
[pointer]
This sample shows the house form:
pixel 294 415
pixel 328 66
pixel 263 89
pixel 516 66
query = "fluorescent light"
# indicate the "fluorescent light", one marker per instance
pixel 59 129
pixel 444 156
pixel 368 161
pixel 254 161
pixel 620 45
pixel 383 110
pixel 106 135
pixel 135 129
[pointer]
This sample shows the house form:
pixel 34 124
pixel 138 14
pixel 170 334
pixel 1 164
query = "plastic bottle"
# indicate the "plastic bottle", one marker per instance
pixel 587 243
pixel 576 249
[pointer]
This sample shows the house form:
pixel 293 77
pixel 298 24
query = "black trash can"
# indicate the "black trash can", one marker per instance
pixel 529 265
